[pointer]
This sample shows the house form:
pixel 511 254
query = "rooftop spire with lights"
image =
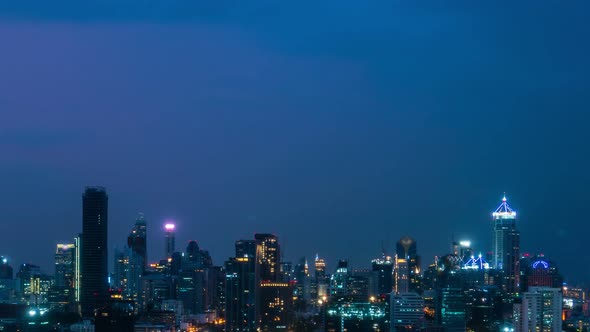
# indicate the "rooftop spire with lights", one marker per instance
pixel 504 211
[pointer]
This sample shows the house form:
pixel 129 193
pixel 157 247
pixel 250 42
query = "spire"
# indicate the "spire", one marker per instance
pixel 504 211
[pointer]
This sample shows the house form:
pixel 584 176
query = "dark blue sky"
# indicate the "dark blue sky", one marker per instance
pixel 335 125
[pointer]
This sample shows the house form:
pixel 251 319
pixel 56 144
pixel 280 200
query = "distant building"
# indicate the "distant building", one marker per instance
pixel 506 253
pixel 137 240
pixel 538 271
pixel 407 311
pixel 240 288
pixel 268 255
pixel 275 306
pixel 407 248
pixel 170 242
pixel 65 270
pixel 384 268
pixel 539 310
pixel 402 276
pixel 94 260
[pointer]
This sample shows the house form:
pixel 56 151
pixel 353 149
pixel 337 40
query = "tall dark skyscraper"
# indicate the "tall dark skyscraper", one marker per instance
pixel 506 244
pixel 94 260
pixel 137 239
pixel 407 249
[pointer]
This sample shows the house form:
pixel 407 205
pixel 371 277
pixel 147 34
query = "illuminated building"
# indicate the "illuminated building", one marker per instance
pixel 268 256
pixel 94 260
pixel 240 288
pixel 407 311
pixel 407 248
pixel 402 278
pixel 25 274
pixel 485 308
pixel 451 306
pixel 506 243
pixel 339 280
pixel 65 270
pixel 169 239
pixel 321 279
pixel 539 310
pixel 137 240
pixel 384 268
pixel 275 305
pixel 538 271
pixel 286 270
pixel 129 268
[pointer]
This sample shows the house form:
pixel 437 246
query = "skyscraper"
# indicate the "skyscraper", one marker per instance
pixel 240 288
pixel 137 240
pixel 540 310
pixel 94 262
pixel 65 268
pixel 506 243
pixel 407 248
pixel 268 256
pixel 384 268
pixel 170 241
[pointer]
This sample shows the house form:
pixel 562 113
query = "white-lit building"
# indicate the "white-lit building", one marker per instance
pixel 407 310
pixel 540 310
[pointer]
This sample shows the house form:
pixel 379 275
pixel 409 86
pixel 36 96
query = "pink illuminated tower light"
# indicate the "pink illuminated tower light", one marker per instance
pixel 169 227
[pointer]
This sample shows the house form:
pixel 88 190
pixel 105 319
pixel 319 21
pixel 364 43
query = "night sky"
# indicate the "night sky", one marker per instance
pixel 337 125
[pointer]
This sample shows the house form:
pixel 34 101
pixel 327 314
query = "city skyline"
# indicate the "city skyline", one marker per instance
pixel 371 121
pixel 169 226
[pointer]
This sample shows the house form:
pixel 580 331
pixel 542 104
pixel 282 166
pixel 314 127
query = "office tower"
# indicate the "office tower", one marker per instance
pixel 485 310
pixel 94 264
pixel 240 289
pixel 302 281
pixel 170 241
pixel 64 265
pixel 286 270
pixel 402 276
pixel 137 240
pixel 275 305
pixel 452 304
pixel 384 268
pixel 407 311
pixel 322 280
pixel 407 248
pixel 339 280
pixel 24 276
pixel 506 242
pixel 65 270
pixel 539 310
pixel 191 279
pixel 540 272
pixel 268 256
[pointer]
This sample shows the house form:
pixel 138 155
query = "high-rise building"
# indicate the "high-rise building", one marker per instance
pixel 7 284
pixel 65 258
pixel 268 255
pixel 240 293
pixel 407 311
pixel 384 268
pixel 321 279
pixel 170 241
pixel 65 273
pixel 94 260
pixel 539 310
pixel 506 242
pixel 407 248
pixel 275 302
pixel 540 272
pixel 402 276
pixel 137 240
